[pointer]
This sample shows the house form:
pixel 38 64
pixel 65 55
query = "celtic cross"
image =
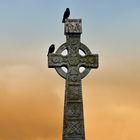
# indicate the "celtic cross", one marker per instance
pixel 73 61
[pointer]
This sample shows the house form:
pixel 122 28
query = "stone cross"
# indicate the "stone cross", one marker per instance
pixel 73 61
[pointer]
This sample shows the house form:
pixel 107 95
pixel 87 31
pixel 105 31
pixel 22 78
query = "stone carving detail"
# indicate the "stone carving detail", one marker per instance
pixel 56 59
pixel 73 26
pixel 73 41
pixel 74 61
pixel 73 77
pixel 74 109
pixel 74 92
pixel 73 127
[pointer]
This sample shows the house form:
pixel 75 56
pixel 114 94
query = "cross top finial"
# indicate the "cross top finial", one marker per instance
pixel 73 26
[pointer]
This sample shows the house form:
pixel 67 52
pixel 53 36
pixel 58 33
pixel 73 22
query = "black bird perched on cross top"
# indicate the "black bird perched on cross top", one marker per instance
pixel 66 15
pixel 51 49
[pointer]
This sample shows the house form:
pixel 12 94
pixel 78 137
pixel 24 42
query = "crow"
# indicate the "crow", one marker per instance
pixel 51 49
pixel 66 15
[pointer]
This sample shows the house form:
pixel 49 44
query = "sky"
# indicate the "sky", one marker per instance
pixel 32 95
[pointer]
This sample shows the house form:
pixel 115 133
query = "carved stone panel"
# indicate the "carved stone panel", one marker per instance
pixel 73 128
pixel 74 109
pixel 73 26
pixel 74 92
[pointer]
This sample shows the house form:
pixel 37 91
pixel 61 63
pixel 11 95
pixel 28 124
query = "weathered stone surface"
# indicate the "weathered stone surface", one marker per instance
pixel 73 26
pixel 73 128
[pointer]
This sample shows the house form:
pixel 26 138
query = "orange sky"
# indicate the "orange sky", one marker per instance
pixel 31 103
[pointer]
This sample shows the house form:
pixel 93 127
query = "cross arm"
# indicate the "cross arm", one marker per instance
pixel 56 60
pixel 90 61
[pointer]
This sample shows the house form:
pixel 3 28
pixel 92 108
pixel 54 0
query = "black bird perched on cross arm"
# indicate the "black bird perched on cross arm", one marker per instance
pixel 51 49
pixel 66 15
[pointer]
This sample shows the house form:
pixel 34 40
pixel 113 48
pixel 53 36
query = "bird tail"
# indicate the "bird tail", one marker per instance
pixel 63 21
